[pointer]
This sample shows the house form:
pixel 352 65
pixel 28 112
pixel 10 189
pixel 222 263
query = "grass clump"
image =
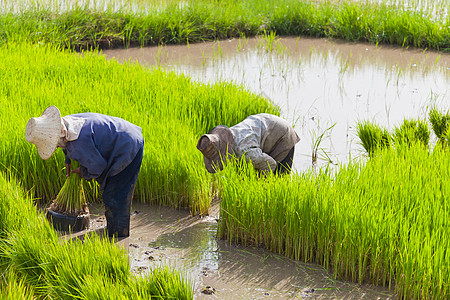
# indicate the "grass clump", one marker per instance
pixel 373 137
pixel 440 123
pixel 70 199
pixel 412 131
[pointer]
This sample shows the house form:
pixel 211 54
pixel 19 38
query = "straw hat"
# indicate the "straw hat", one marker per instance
pixel 216 146
pixel 44 131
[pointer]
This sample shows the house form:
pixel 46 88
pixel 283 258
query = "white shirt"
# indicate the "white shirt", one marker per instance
pixel 264 139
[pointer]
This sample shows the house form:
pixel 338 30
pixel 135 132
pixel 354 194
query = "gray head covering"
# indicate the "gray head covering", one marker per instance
pixel 217 145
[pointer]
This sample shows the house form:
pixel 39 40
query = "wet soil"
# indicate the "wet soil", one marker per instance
pixel 218 270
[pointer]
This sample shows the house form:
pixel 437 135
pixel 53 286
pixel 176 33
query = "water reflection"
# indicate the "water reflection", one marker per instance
pixel 164 236
pixel 317 83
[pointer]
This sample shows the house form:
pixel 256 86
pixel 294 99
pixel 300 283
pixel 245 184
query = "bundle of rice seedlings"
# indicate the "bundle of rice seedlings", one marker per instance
pixel 412 131
pixel 71 199
pixel 373 137
pixel 440 123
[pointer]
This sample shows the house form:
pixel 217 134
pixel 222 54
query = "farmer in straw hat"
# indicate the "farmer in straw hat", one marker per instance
pixel 109 150
pixel 266 140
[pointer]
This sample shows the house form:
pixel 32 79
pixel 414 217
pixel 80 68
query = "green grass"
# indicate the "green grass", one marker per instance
pixel 110 24
pixel 35 263
pixel 440 123
pixel 373 137
pixel 384 221
pixel 172 111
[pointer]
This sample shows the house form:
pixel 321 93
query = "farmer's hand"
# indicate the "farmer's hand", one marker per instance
pixel 67 170
pixel 77 171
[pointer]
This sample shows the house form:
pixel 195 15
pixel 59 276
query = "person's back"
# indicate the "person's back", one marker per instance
pixel 266 140
pixel 106 144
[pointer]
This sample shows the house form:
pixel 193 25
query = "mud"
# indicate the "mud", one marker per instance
pixel 217 270
pixel 317 83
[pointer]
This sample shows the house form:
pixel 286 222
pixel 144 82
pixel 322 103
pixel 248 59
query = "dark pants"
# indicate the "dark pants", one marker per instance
pixel 117 197
pixel 285 166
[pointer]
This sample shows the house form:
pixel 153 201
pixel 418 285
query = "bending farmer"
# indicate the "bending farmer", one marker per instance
pixel 266 140
pixel 109 150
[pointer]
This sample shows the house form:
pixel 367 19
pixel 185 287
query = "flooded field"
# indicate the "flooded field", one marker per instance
pixel 317 83
pixel 324 88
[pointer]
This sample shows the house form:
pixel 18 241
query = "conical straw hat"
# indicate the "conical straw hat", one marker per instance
pixel 44 131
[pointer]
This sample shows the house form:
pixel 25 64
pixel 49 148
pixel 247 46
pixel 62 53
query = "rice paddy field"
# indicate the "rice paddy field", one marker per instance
pixel 384 220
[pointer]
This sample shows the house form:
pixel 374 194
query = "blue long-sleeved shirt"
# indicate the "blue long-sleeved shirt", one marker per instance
pixel 105 146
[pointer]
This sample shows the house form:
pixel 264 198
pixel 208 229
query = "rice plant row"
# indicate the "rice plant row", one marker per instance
pixel 384 221
pixel 87 24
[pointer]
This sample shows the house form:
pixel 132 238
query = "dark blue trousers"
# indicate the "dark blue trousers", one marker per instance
pixel 117 197
pixel 285 166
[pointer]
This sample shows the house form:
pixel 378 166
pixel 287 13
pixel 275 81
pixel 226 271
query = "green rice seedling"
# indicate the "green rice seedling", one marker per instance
pixel 268 41
pixel 172 110
pixel 440 123
pixel 316 142
pixel 38 264
pixel 162 284
pixel 373 137
pixel 142 23
pixel 357 221
pixel 70 199
pixel 412 131
pixel 13 288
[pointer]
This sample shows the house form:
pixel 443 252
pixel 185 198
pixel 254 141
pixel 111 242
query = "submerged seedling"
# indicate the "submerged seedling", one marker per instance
pixel 316 141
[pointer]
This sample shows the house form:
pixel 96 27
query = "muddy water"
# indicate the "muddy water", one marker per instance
pixel 164 236
pixel 317 83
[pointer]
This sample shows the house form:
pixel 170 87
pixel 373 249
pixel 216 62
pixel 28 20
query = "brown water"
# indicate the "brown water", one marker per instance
pixel 317 83
pixel 164 236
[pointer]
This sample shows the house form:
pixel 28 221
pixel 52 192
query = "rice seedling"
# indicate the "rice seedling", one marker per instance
pixel 38 265
pixel 358 221
pixel 373 137
pixel 172 111
pixel 316 142
pixel 12 288
pixel 268 41
pixel 140 23
pixel 70 199
pixel 412 131
pixel 440 123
